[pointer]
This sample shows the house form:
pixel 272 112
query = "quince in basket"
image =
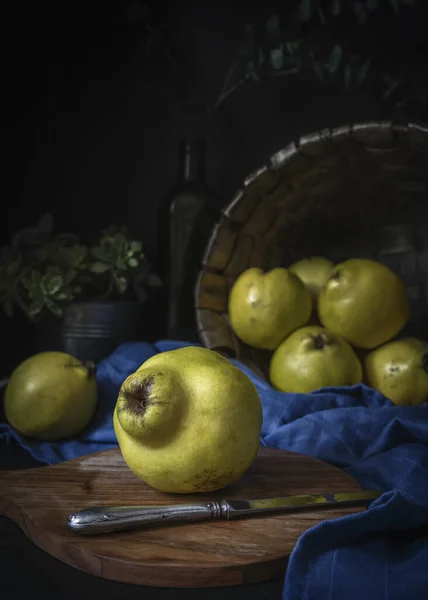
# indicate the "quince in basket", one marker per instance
pixel 365 302
pixel 266 307
pixel 399 370
pixel 314 272
pixel 311 358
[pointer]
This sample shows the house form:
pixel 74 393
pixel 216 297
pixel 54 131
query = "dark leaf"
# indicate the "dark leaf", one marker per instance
pixel 363 71
pixel 120 263
pixel 335 59
pixel 99 267
pixel 121 284
pixel 289 67
pixel 359 11
pixel 36 305
pixel 64 296
pixel 27 282
pixel 53 307
pixel 77 255
pixel 273 31
pixel 254 77
pixel 304 11
pixel 335 8
pixel 395 6
pixel 35 278
pixel 293 47
pixel 347 76
pixel 277 58
pixel 100 253
pixel 54 284
pixel 320 12
pixel 13 269
pixel 69 276
pixel 136 246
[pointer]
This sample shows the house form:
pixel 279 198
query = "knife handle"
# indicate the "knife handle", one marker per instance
pixel 98 520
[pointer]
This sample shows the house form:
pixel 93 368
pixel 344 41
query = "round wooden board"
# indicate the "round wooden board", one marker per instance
pixel 216 553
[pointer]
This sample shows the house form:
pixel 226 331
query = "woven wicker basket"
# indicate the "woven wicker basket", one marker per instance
pixel 356 191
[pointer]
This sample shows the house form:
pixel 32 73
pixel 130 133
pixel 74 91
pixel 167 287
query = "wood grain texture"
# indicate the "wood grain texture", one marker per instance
pixel 217 553
pixel 355 191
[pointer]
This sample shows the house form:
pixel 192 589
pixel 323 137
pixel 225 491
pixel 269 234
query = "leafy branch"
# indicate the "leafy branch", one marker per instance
pixel 289 51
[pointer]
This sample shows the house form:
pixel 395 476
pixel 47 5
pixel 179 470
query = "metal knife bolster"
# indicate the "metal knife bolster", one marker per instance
pixel 108 519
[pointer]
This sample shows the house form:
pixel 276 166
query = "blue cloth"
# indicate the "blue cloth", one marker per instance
pixel 377 554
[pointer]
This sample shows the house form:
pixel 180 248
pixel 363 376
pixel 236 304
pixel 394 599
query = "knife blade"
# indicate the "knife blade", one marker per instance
pixel 107 519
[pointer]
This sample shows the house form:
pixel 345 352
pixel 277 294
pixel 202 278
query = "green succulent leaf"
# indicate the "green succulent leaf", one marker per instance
pixel 53 307
pixel 54 284
pixel 136 246
pixel 121 284
pixel 293 47
pixel 132 262
pixel 77 255
pixel 36 305
pixel 277 58
pixel 320 12
pixel 36 278
pixel 99 267
pixel 69 276
pixel 335 59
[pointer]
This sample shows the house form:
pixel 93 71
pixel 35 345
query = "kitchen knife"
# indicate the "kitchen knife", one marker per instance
pixel 99 519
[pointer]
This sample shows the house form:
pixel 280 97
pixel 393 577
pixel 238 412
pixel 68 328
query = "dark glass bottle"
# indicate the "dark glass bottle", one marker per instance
pixel 185 221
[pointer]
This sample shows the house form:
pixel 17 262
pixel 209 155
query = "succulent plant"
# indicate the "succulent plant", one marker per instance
pixel 121 259
pixel 42 272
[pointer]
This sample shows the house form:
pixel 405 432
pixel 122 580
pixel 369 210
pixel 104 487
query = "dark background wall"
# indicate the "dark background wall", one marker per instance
pixel 92 131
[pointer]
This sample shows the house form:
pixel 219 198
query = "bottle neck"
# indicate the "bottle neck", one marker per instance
pixel 191 167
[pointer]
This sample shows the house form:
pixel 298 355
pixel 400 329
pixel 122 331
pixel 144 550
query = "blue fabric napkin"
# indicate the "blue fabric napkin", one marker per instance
pixel 377 554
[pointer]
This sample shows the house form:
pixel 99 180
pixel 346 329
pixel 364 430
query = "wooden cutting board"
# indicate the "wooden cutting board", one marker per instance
pixel 216 553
